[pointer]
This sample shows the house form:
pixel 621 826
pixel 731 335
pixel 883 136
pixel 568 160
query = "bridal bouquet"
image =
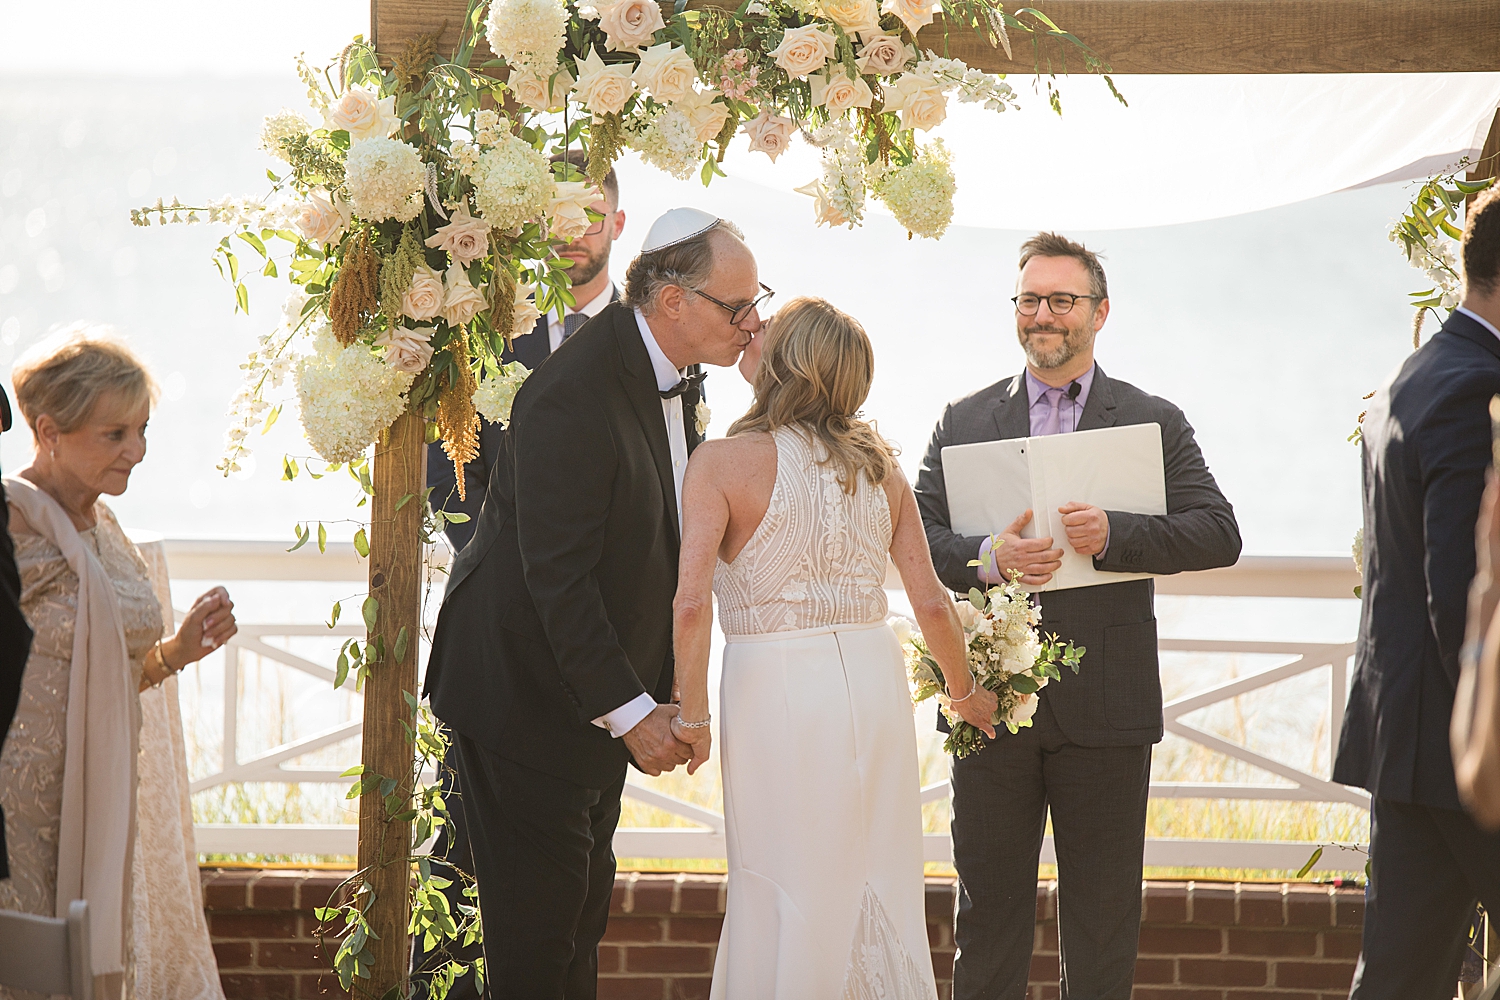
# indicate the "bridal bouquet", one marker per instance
pixel 1007 654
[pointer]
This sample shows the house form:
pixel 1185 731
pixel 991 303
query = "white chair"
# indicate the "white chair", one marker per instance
pixel 47 955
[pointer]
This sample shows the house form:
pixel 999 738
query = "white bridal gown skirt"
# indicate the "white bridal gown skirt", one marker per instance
pixel 823 818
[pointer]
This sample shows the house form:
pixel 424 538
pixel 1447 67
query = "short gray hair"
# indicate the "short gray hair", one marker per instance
pixel 688 265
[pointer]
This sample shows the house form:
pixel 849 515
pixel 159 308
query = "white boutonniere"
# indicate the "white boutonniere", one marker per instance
pixel 701 416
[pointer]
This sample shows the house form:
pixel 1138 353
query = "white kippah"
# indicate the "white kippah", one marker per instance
pixel 676 225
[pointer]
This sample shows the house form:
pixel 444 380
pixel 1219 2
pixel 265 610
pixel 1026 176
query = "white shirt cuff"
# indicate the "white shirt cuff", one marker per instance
pixel 629 715
pixel 987 571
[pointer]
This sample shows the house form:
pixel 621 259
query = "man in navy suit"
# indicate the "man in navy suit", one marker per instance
pixel 1426 447
pixel 592 290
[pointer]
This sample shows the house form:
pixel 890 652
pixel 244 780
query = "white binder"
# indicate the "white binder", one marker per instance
pixel 991 483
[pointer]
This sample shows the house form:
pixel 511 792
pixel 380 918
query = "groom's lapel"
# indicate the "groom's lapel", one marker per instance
pixel 1012 416
pixel 640 386
pixel 1099 411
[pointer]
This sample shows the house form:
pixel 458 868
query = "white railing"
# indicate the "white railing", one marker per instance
pixel 1303 577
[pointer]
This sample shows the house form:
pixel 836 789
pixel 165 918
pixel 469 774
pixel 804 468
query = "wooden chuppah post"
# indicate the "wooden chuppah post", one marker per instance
pixel 1488 164
pixel 396 566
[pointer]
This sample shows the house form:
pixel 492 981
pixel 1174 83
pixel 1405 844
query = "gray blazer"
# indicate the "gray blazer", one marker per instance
pixel 1115 699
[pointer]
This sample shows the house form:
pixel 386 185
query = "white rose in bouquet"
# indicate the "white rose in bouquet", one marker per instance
pixel 666 72
pixel 464 237
pixel 569 209
pixel 704 114
pixel 601 88
pixel 1025 708
pixel 915 14
pixel 321 220
pixel 384 178
pixel 513 183
pixel 920 100
pixel 803 51
pixel 770 134
pixel 406 349
pixel 423 298
pixel 364 114
pixel 629 24
pixel 903 629
pixel 838 92
pixel 461 300
pixel 527 32
pixel 541 91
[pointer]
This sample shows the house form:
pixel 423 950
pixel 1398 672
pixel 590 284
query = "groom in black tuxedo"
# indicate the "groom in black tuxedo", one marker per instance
pixel 1087 756
pixel 1426 448
pixel 552 657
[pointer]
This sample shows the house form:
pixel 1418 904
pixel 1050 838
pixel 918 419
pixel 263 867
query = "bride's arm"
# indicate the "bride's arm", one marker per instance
pixel 705 518
pixel 933 607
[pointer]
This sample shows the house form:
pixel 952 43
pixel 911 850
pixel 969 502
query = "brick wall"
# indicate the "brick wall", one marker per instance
pixel 1199 941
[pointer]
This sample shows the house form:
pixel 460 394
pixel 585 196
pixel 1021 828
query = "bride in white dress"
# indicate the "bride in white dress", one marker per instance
pixel 789 521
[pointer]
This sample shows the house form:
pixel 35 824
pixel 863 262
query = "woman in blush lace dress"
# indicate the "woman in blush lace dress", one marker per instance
pixel 69 771
pixel 789 522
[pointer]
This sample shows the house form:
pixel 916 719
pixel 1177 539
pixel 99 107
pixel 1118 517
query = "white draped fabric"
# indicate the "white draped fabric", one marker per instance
pixel 1188 147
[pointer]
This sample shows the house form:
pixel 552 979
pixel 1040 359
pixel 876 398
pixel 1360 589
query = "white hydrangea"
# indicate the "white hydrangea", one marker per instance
pixel 920 194
pixel 384 178
pixel 667 141
pixel 1358 551
pixel 527 33
pixel 282 125
pixel 497 392
pixel 512 183
pixel 347 396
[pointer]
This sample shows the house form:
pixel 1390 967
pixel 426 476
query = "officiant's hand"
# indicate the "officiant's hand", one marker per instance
pixel 652 744
pixel 1034 558
pixel 1087 528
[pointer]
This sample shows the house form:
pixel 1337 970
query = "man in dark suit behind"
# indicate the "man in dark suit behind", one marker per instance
pixel 1087 756
pixel 15 634
pixel 552 656
pixel 1426 447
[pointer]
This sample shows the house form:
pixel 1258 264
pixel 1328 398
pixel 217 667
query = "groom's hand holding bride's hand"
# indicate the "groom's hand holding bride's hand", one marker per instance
pixel 652 745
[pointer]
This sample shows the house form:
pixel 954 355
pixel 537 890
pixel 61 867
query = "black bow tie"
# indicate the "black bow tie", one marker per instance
pixel 687 382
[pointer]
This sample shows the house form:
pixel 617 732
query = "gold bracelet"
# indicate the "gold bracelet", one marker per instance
pixel 162 659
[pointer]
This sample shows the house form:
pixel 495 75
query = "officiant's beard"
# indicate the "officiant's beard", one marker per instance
pixel 1073 342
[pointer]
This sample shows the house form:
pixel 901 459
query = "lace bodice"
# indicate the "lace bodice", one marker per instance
pixel 817 558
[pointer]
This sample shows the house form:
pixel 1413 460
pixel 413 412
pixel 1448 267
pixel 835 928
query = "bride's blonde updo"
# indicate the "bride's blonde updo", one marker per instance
pixel 816 366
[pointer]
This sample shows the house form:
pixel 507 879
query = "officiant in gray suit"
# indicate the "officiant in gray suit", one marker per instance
pixel 1087 755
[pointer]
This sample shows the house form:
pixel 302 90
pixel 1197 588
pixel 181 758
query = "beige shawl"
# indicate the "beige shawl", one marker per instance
pixel 97 830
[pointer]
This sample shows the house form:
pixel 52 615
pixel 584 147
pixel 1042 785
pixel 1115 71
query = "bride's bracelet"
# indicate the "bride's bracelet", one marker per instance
pixel 161 658
pixel 974 686
pixel 692 725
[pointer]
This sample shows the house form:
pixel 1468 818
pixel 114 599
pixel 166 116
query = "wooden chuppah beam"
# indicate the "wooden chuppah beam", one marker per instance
pixel 1164 36
pixel 1488 164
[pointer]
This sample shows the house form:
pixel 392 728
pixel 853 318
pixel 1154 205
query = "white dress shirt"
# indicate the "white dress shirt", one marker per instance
pixel 591 308
pixel 1480 320
pixel 625 718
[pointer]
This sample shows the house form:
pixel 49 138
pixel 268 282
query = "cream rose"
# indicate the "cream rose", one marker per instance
pixel 920 100
pixel 882 55
pixel 825 213
pixel 804 51
pixel 407 350
pixel 851 15
pixel 915 14
pixel 770 134
pixel 464 237
pixel 321 220
pixel 424 299
pixel 461 300
pixel 525 313
pixel 603 89
pixel 704 115
pixel 667 72
pixel 629 24
pixel 838 93
pixel 541 92
pixel 363 115
pixel 569 209
pixel 1025 708
pixel 903 629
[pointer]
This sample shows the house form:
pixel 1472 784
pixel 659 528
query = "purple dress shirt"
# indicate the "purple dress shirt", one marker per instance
pixel 1069 411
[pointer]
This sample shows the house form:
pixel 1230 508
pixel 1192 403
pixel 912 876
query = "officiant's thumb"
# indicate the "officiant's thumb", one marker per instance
pixel 1019 523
